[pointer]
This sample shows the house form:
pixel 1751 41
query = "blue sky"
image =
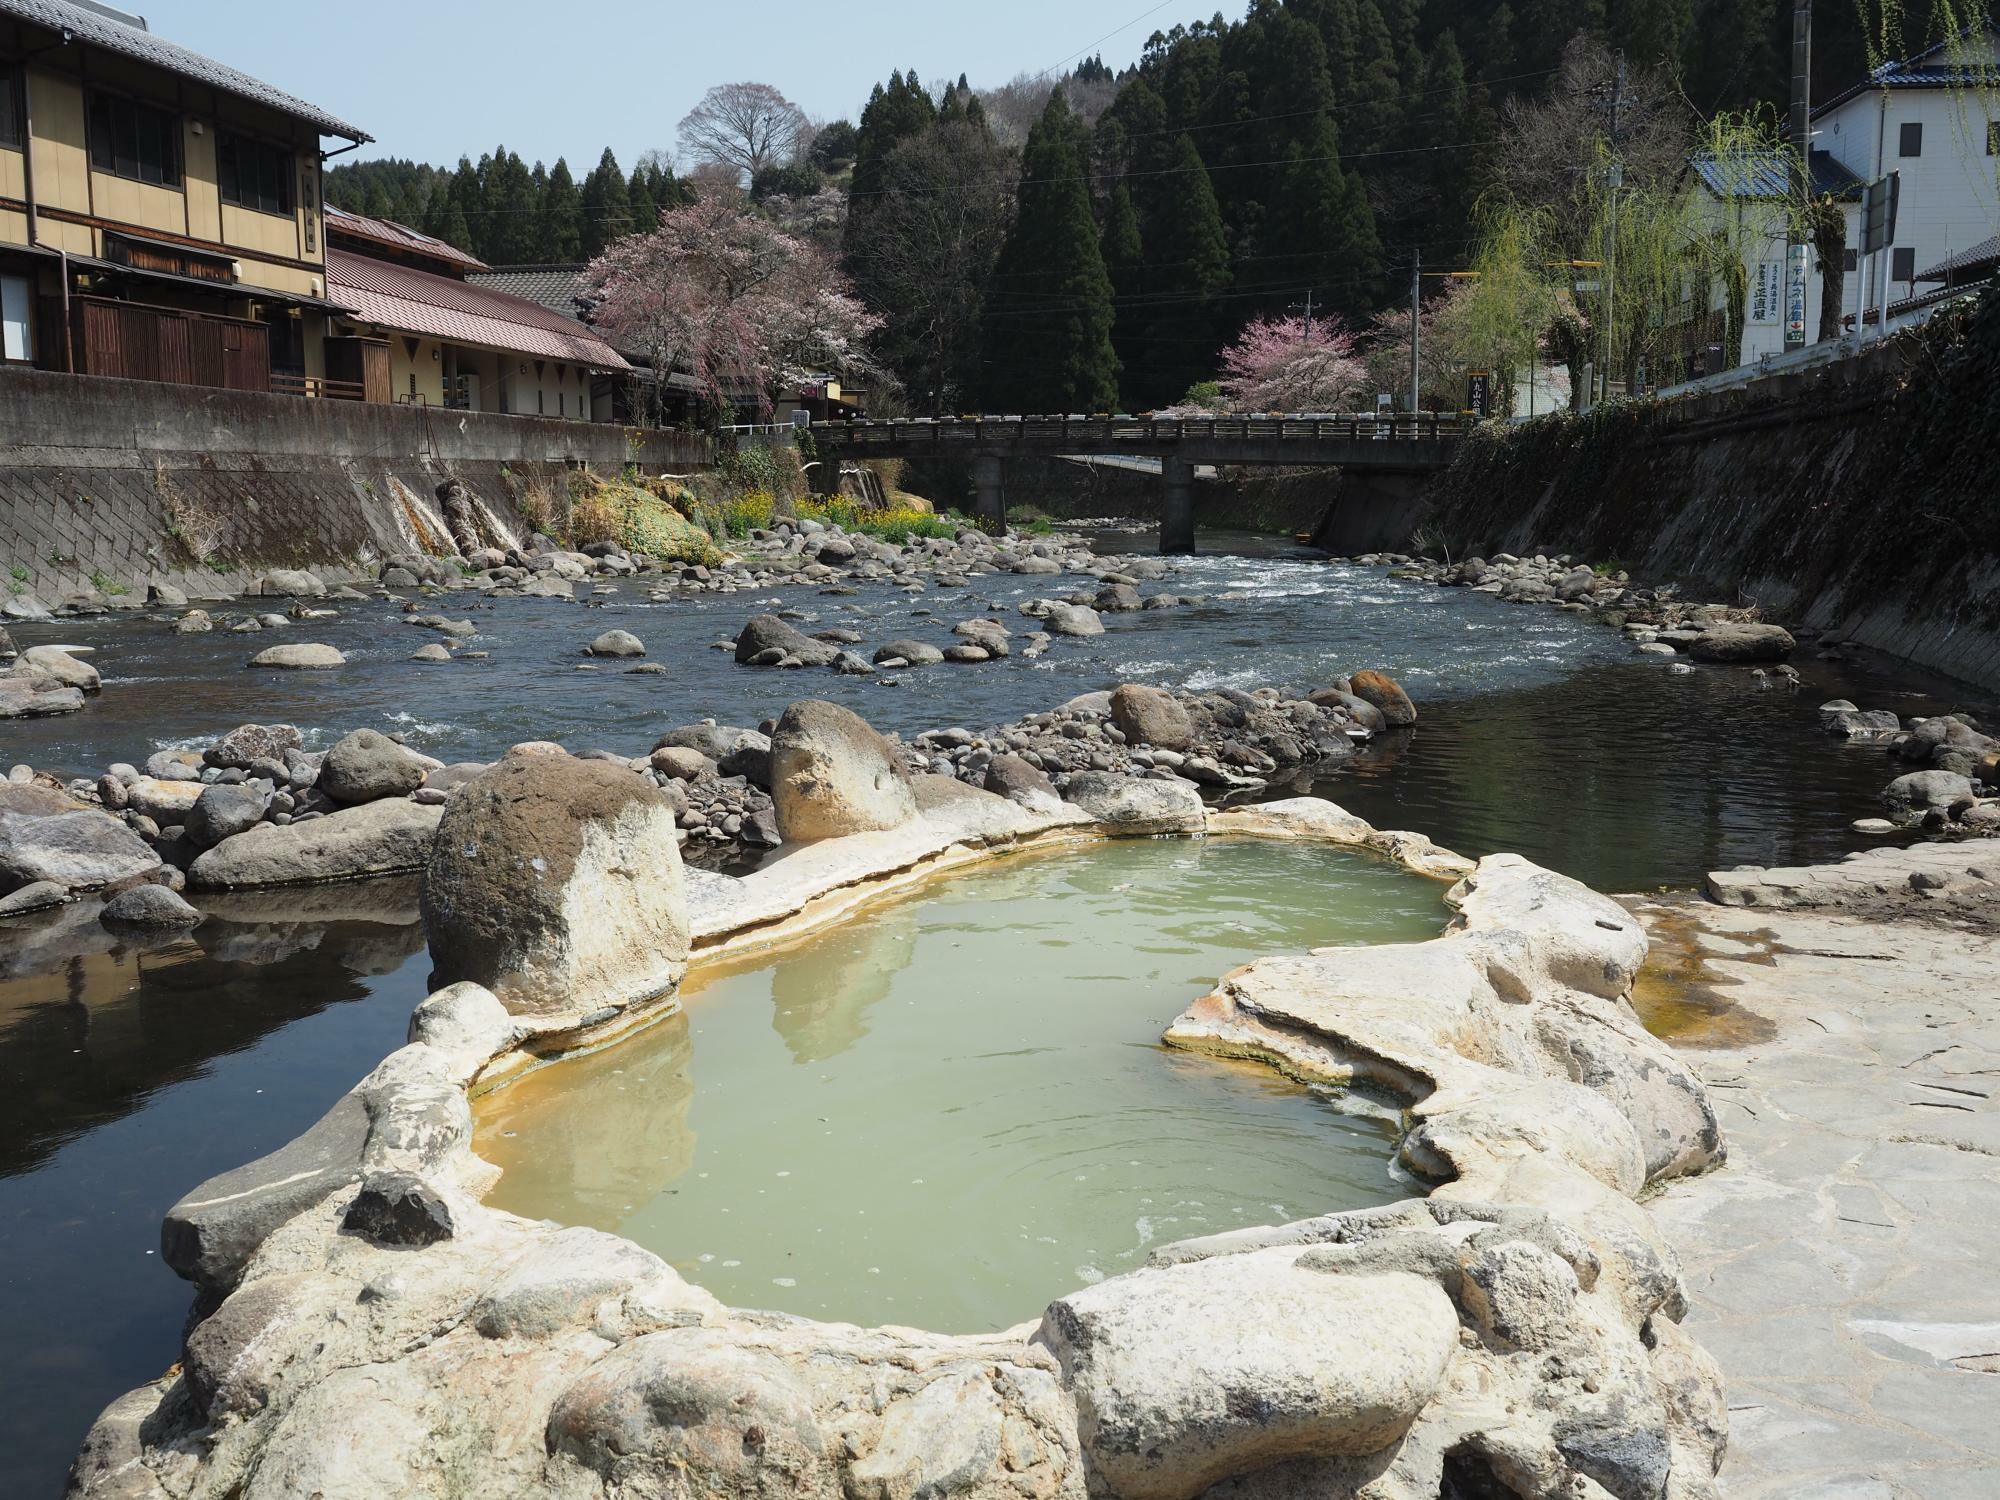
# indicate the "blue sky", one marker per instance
pixel 434 79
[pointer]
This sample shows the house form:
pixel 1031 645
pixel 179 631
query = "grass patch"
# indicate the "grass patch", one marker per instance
pixel 639 515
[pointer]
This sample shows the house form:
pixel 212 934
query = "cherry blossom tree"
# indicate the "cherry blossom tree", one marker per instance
pixel 723 294
pixel 1286 364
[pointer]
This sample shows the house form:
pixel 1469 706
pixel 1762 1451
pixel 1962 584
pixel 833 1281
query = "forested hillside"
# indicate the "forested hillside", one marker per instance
pixel 1098 238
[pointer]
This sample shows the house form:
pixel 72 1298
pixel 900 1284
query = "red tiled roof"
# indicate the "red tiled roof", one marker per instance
pixel 413 301
pixel 389 233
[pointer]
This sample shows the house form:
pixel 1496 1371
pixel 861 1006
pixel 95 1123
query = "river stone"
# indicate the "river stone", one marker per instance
pixel 557 884
pixel 399 1208
pixel 763 633
pixel 966 652
pixel 432 652
pixel 1360 710
pixel 247 744
pixel 301 657
pixel 44 835
pixel 1382 690
pixel 296 582
pixel 65 669
pixel 1072 619
pixel 390 837
pixel 915 653
pixel 560 1282
pixel 37 895
pixel 617 643
pixel 210 1235
pixel 716 741
pixel 8 650
pixel 833 774
pixel 148 906
pixel 367 766
pixel 1188 1375
pixel 223 811
pixel 1742 642
pixel 1021 782
pixel 1909 797
pixel 1151 716
pixel 1137 806
pixel 31 697
pixel 683 762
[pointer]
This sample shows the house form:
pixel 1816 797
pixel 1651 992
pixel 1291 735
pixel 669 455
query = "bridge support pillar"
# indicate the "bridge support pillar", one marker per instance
pixel 1176 505
pixel 989 491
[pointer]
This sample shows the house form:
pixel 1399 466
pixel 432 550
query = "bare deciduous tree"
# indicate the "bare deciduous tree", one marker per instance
pixel 748 126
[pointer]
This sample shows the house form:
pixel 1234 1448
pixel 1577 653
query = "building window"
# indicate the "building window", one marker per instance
pixel 17 297
pixel 11 133
pixel 1850 260
pixel 135 140
pixel 1910 139
pixel 252 174
pixel 1903 263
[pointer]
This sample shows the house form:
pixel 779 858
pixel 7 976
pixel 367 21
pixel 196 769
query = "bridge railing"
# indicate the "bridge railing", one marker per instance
pixel 971 432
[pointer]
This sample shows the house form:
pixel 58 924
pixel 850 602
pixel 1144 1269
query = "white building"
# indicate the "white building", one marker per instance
pixel 1931 119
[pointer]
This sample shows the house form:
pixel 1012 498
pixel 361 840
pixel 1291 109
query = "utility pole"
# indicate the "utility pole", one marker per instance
pixel 1309 314
pixel 1796 250
pixel 1416 328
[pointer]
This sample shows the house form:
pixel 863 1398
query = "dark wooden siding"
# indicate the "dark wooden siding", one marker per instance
pixel 137 342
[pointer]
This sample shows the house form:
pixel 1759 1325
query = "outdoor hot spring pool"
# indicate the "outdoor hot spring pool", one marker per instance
pixel 955 1106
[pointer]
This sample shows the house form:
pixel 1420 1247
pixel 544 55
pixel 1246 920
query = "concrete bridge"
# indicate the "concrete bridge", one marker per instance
pixel 1389 454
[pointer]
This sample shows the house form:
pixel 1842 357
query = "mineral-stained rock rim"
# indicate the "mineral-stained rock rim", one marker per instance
pixel 365 1326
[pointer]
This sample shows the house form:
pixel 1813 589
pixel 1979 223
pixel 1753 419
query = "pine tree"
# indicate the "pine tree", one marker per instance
pixel 561 207
pixel 642 213
pixel 1188 266
pixel 603 205
pixel 509 238
pixel 1323 227
pixel 1372 114
pixel 1048 319
pixel 1124 255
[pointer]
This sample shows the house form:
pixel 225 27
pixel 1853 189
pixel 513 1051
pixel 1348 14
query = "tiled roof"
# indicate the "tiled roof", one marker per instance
pixel 558 288
pixel 1767 175
pixel 388 233
pixel 1980 257
pixel 98 29
pixel 412 301
pixel 1963 61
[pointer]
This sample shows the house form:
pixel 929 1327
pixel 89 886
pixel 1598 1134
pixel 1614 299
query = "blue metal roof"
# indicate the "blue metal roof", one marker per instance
pixel 1932 68
pixel 1760 175
pixel 98 28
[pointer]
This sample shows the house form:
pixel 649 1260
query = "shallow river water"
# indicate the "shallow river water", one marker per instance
pixel 128 1076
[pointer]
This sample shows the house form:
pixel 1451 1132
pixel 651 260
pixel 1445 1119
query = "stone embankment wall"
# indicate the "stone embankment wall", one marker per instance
pixel 1862 503
pixel 1279 502
pixel 114 484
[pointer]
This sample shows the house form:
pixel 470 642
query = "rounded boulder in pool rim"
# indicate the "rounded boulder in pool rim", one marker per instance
pixel 557 884
pixel 832 773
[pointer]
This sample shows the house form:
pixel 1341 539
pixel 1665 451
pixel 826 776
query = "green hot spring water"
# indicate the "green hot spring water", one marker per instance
pixel 955 1106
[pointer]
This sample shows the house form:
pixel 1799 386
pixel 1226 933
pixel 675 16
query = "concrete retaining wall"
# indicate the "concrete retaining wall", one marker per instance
pixel 113 484
pixel 1859 502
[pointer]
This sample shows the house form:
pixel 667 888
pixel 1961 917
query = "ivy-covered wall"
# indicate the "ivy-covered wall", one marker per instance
pixel 1865 502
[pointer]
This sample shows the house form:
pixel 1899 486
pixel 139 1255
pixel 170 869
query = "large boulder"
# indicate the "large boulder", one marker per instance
pixel 296 582
pixel 1729 642
pixel 1151 716
pixel 716 741
pixel 1022 782
pixel 617 643
pixel 303 657
pixel 247 744
pixel 556 883
pixel 833 774
pixel 763 633
pixel 28 695
pixel 223 811
pixel 1136 807
pixel 1909 797
pixel 367 766
pixel 149 906
pixel 66 670
pixel 390 837
pixel 914 653
pixel 1387 696
pixel 46 836
pixel 1188 1375
pixel 1072 619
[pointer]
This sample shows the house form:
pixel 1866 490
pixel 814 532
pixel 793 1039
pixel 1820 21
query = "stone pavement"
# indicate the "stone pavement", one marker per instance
pixel 1842 1266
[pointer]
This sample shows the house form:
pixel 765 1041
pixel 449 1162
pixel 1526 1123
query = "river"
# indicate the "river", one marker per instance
pixel 127 1076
